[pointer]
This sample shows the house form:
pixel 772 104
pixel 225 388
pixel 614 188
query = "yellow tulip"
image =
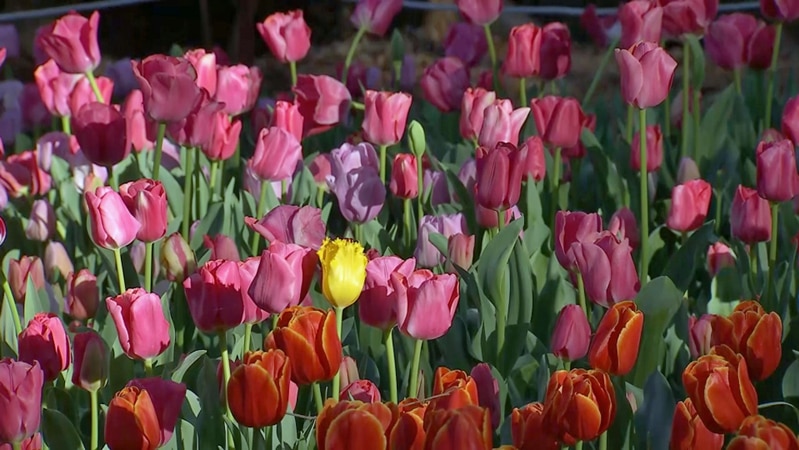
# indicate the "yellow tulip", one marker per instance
pixel 343 271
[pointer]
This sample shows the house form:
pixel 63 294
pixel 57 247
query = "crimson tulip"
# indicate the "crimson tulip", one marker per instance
pixel 404 176
pixel 780 10
pixel 283 277
pixel 45 341
pixel 168 87
pixel 214 296
pixel 571 335
pixel 91 366
pixel 559 120
pixel 777 179
pixel 323 102
pixel 101 131
pixel 750 216
pixel 375 16
pixel 556 44
pixel 196 129
pixel 499 176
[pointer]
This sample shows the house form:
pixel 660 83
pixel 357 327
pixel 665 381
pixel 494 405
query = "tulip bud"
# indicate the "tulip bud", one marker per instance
pixel 572 334
pixel 753 334
pixel 700 334
pixel 524 51
pixel 146 201
pixel 45 341
pixel 404 177
pixel 348 372
pixel 416 138
pixel 56 260
pixel 757 431
pixel 18 273
pixel 444 82
pixel 41 225
pixel 645 61
pixel 142 329
pixel 385 116
pixel 72 42
pixel 535 163
pixel 261 373
pixel 555 51
pixel 83 297
pixel 750 216
pixel 460 252
pixel 624 226
pixel 777 179
pixel 287 35
pixel 528 431
pixel 90 371
pixel 718 257
pixel 641 20
pixel 375 16
pixel 343 271
pixel 614 348
pixel 479 12
pixel 177 258
pixel 569 392
pixel 499 176
pixel 112 224
pixel 559 120
pixel 689 205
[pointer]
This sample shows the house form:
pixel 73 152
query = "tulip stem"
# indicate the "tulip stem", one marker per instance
pixel 417 356
pixel 293 71
pixel 581 294
pixel 697 116
pixel 522 92
pixel 16 445
pixel 500 220
pixel 578 445
pixel 148 266
pixel 686 87
pixel 225 371
pixel 420 190
pixel 187 195
pixel 120 273
pixel 556 183
pixel 317 396
pixel 736 75
pixel 258 214
pixel 644 197
pixel 406 208
pixel 66 126
pixel 13 303
pixel 148 367
pixel 772 72
pixel 159 149
pixel 667 118
pixel 601 70
pixel 388 340
pixel 348 61
pixel 628 131
pixel 492 52
pixel 247 339
pixel 772 248
pixel 337 377
pixel 95 420
pixel 603 441
pixel 383 149
pixel 212 180
pixel 95 88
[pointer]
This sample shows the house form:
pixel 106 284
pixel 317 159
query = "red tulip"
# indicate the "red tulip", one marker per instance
pixel 466 42
pixel 501 123
pixel 718 257
pixel 528 430
pixel 555 51
pixel 204 64
pixel 101 131
pixel 283 277
pixel 112 225
pixel 323 102
pixel 20 399
pixel 580 404
pixel 167 398
pixel 385 116
pixel 761 46
pixel 258 391
pixel 780 10
pixel 71 42
pixel 214 296
pixel 480 12
pixel 238 87
pixel 55 87
pixel 750 216
pixel 559 120
pixel 571 335
pixel 777 179
pixel 758 432
pixel 641 20
pixel 287 35
pixel 146 201
pixel 499 176
pixel 168 87
pixel 688 16
pixel 426 303
pixel 688 432
pixel 647 72
pixel 375 16
pixel 354 424
pixel 444 82
pixel 224 138
pixel 276 155
pixel 524 51
pixel 404 176
pixel 607 268
pixel 90 369
pixel 45 341
pixel 654 149
pixel 474 103
pixel 689 205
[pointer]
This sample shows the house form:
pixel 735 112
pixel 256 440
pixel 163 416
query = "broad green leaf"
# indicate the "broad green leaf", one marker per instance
pixel 682 264
pixel 697 61
pixel 790 381
pixel 58 431
pixel 659 300
pixel 188 362
pixel 653 418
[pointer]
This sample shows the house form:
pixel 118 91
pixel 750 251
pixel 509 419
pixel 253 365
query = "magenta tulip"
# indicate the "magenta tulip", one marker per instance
pixel 501 123
pixel 607 268
pixel 556 49
pixel 291 224
pixel 146 201
pixel 196 129
pixel 623 225
pixel 360 390
pixel 385 116
pixel 83 93
pixel 224 138
pixel 641 20
pixel 750 216
pixel 473 105
pixel 137 122
pixel 101 131
pixel 112 225
pixel 426 303
pixel 20 399
pixel 790 120
pixel 524 51
pixel 499 176
pixel 688 16
pixel 780 10
pixel 573 227
pixel 287 35
pixel 248 269
pixel 222 247
pixel 45 341
pixel 466 42
pixel 727 40
pixel 689 205
pixel 283 276
pixel 82 298
pixel 375 16
pixel 238 87
pixel 276 154
pixel 168 87
pixel 323 102
pixel 377 305
pixel 571 335
pixel 480 12
pixel 142 328
pixel 91 366
pixel 444 82
pixel 654 149
pixel 214 296
pixel 287 116
pixel 71 42
pixel 647 72
pixel 777 179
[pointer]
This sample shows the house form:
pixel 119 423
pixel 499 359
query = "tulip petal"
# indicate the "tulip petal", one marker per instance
pixel 632 75
pixel 355 430
pixel 726 414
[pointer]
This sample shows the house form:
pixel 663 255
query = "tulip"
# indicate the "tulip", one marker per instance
pixel 689 205
pixel 385 117
pixel 466 42
pixel 750 218
pixel 101 131
pixel 196 129
pixel 404 177
pixel 779 10
pixel 777 179
pixel 499 176
pixel 757 429
pixel 204 64
pixel 624 226
pixel 727 40
pixel 719 386
pixel 32 443
pixel 479 12
pixel 607 269
pixel 645 61
pixel 276 155
pixel 258 391
pixel 580 404
pixel 167 398
pixel 137 122
pixel 426 303
pixel 177 258
pixel 168 87
pixel 435 187
pixel 571 227
pixel 378 299
pixel 753 334
pixel 601 29
pixel 718 257
pixel 71 42
pixel 83 94
pixel 283 277
pixel 20 399
pixel 555 58
pixel 91 366
pixel 654 149
pixel 55 87
pixel 408 432
pixel 687 171
pixel 22 269
pixel 112 225
pixel 287 116
pixel 362 391
pixel 45 341
pixel 641 20
pixel 360 193
pixel 426 254
pixel 292 225
pixel 535 164
pixel 375 16
pixel 354 424
pixel 56 261
pixel 41 225
pixel 528 430
pixel 688 16
pixel 761 46
pixel 348 371
pixel 501 123
pixel 453 389
pixel 3 231
pixel 141 326
pixel 323 102
pixel 146 201
pixel 287 35
pixel 688 432
pixel 131 421
pixel 223 139
pixel 700 335
pixel 614 348
pixel 238 87
pixel 222 247
pixel 460 252
pixel 22 174
pixel 524 57
pixel 444 82
pixel 474 103
pixel 571 335
pixel 559 120
pixel 487 391
pixel 214 296
pixel 343 271
pixel 308 337
pixel 465 427
pixel 790 120
pixel 247 270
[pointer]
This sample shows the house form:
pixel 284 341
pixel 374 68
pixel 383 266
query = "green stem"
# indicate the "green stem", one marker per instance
pixel 578 445
pixel 567 365
pixel 148 266
pixel 383 149
pixel 667 118
pixel 225 371
pixel 188 191
pixel 413 386
pixel 753 269
pixel 120 273
pixel 406 208
pixel 601 70
pixel 500 220
pixel 351 53
pixel 556 183
pixel 16 445
pixel 523 92
pixel 388 341
pixel 221 184
pixel 492 53
pixel 686 87
pixel 603 441
pixel 628 131
pixel 66 125
pixel 502 317
pixel 148 367
pixel 697 115
pixel 13 304
pixel 159 149
pixel 320 197
pixel 420 190
pixel 581 294
pixel 337 376
pixel 198 206
pixel 772 248
pixel 95 88
pixel 212 180
pixel 772 72
pixel 113 178
pixel 293 70
pixel 283 192
pixel 357 105
pixel 259 213
pixel 317 396
pixel 736 75
pixel 644 197
pixel 247 339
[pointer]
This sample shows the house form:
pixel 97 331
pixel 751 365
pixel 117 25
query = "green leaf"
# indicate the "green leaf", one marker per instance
pixel 58 431
pixel 715 124
pixel 35 302
pixel 7 329
pixel 653 418
pixel 180 372
pixel 659 300
pixel 790 381
pixel 682 264
pixel 697 61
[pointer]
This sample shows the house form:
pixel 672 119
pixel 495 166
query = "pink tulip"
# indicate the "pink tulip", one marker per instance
pixel 624 226
pixel 21 174
pixel 444 82
pixel 375 16
pixel 385 116
pixel 112 225
pixel 377 305
pixel 101 131
pixel 524 51
pixel 137 122
pixel 654 149
pixel 535 163
pixel 20 399
pixel 571 335
pixel 214 296
pixel 719 256
pixel 688 16
pixel 71 42
pixel 83 94
pixel 168 86
pixel 204 64
pixel 146 201
pixel 790 120
pixel 555 51
pixel 466 42
pixel 727 40
pixel 222 247
pixel 167 397
pixel 480 12
pixel 287 35
pixel 55 87
pixel 641 20
pixel 248 269
pixel 426 303
pixel 501 123
pixel 323 102
pixel 460 252
pixel 362 391
pixel 404 177
pixel 559 120
pixel 474 103
pixel 276 155
pixel 291 224
pixel 647 72
pixel 426 254
pixel 283 276
pixel 573 227
pixel 607 268
pixel 224 138
pixel 45 341
pixel 700 335
pixel 142 329
pixel 237 87
pixel 601 29
pixel 196 129
pixel 82 298
pixel 287 116
pixel 777 179
pixel 689 205
pixel 750 216
pixel 20 270
pixel 780 10
pixel 499 176
pixel 56 261
pixel 91 367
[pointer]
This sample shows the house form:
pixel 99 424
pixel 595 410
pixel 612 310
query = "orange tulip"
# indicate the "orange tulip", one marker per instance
pixel 354 425
pixel 527 429
pixel 688 432
pixel 754 334
pixel 580 404
pixel 453 389
pixel 614 348
pixel 757 429
pixel 258 391
pixel 456 429
pixel 131 422
pixel 718 384
pixel 408 433
pixel 308 337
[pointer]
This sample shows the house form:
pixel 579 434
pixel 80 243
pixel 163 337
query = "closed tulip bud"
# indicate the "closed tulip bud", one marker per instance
pixel 308 337
pixel 687 171
pixel 45 341
pixel 479 12
pixel 727 40
pixel 362 391
pixel 146 201
pixel 719 386
pixel 466 42
pixel 276 155
pixel 487 391
pixel 790 120
pixel 535 163
pixel 416 139
pixel 112 225
pixel 465 427
pixel 55 87
pixel 378 299
pixel 342 424
pixel 501 123
pixel 204 64
pixel 700 335
pixel 213 293
pixel 375 16
pixel 258 391
pixel 777 179
pixel 654 149
pixel 688 16
pixel 131 422
pixel 82 297
pixel 641 20
pixel 689 205
pixel 645 61
pixel 168 87
pixel 559 120
pixel 474 103
pixel 426 303
pixel 624 226
pixel 614 348
pixel 90 369
pixel 71 42
pixel 607 268
pixel 167 398
pixel 223 139
pixel 568 395
pixel 283 277
pixel 528 431
pixel 287 116
pixel 404 177
pixel 761 46
pixel 408 432
pixel 719 256
pixel 323 102
pixel 750 216
pixel 460 252
pixel 524 51
pixel 287 35
pixel 238 87
pixel 572 227
pixel 348 372
pixel 385 116
pixel 291 224
pixel 141 326
pixel 753 334
pixel 177 258
pixel 689 432
pixel 343 271
pixel 102 134
pixel 56 261
pixel 20 270
pixel 453 389
pixel 571 335
pixel 779 10
pixel 759 432
pixel 556 49
pixel 20 399
pixel 444 82
pixel 499 176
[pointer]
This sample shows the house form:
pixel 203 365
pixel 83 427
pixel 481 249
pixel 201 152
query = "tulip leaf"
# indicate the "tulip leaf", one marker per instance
pixel 7 329
pixel 659 300
pixel 522 286
pixel 455 345
pixel 58 431
pixel 36 301
pixel 211 224
pixel 464 197
pixel 715 124
pixel 727 285
pixel 697 61
pixel 682 264
pixel 790 382
pixel 653 419
pixel 188 362
pixel 614 187
pixel 210 429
